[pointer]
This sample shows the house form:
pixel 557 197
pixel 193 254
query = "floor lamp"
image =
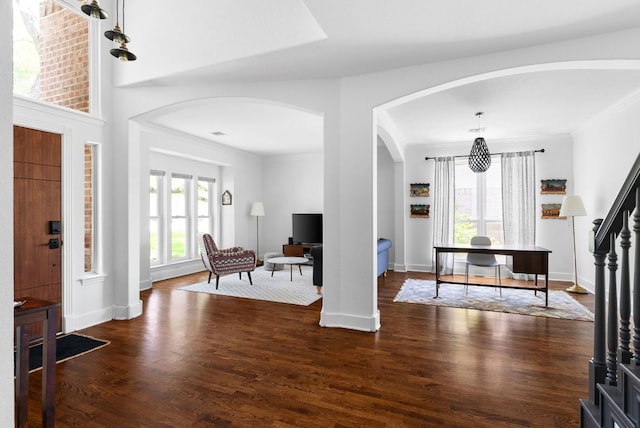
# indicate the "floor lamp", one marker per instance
pixel 571 207
pixel 257 210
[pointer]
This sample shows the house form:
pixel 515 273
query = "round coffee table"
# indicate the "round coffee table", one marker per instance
pixel 288 261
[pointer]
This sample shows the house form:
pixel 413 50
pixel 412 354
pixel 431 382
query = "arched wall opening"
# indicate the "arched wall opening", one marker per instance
pixel 237 170
pixel 393 139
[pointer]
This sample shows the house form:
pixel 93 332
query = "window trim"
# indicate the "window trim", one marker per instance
pixel 97 256
pixel 213 215
pixel 161 217
pixel 188 217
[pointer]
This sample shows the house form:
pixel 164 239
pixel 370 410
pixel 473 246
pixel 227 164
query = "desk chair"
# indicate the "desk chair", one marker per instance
pixel 486 260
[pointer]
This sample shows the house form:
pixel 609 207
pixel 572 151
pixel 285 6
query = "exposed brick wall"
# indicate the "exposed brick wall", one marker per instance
pixel 88 208
pixel 64 57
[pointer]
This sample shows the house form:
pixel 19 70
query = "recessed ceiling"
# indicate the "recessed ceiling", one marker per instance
pixel 518 106
pixel 249 125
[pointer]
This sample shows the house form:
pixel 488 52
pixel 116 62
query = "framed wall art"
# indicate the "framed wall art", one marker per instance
pixel 420 211
pixel 419 189
pixel 554 186
pixel 552 211
pixel 226 198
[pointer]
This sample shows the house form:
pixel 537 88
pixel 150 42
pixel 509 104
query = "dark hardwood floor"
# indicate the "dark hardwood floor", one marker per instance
pixel 195 359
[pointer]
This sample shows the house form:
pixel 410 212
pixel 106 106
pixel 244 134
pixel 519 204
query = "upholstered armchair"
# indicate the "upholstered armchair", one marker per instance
pixel 226 261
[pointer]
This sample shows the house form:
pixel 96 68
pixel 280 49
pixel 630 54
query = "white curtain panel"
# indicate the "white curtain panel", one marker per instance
pixel 444 210
pixel 518 200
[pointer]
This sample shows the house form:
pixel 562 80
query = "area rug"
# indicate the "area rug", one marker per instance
pixel 67 347
pixel 279 288
pixel 524 302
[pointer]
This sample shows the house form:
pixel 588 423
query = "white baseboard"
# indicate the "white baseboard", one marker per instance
pixel 175 270
pixel 127 312
pixel 419 268
pixel 90 319
pixel 145 284
pixel 398 267
pixel 352 322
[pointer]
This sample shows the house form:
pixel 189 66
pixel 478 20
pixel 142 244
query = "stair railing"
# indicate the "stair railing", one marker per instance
pixel 612 327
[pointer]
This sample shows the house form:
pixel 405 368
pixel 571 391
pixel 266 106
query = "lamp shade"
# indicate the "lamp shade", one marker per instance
pixel 94 10
pixel 257 209
pixel 479 158
pixel 123 54
pixel 572 207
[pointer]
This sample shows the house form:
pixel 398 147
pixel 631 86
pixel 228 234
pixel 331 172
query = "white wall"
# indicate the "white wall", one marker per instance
pixel 291 184
pixel 386 200
pixel 552 234
pixel 6 217
pixel 605 150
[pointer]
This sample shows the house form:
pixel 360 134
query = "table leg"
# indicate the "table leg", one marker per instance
pixel 546 289
pixel 22 375
pixel 300 268
pixel 49 368
pixel 291 272
pixel 437 272
pixel 273 268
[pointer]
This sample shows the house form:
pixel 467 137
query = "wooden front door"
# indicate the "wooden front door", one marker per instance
pixel 37 196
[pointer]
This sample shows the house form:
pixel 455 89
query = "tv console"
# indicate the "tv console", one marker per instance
pixel 296 250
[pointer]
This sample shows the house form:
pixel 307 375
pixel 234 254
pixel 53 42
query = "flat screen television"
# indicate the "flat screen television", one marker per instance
pixel 307 228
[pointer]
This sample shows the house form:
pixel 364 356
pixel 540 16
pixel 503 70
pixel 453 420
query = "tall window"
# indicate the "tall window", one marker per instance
pixel 478 203
pixel 155 215
pixel 91 260
pixel 181 208
pixel 51 53
pixel 180 218
pixel 205 198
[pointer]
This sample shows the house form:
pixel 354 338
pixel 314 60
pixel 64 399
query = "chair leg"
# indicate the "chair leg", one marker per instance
pixel 209 281
pixel 249 275
pixel 240 275
pixel 217 280
pixel 466 279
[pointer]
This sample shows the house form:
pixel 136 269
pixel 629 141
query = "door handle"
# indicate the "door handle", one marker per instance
pixel 54 243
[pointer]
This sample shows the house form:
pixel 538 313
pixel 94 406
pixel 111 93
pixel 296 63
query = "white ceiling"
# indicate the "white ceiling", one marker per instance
pixel 295 39
pixel 524 105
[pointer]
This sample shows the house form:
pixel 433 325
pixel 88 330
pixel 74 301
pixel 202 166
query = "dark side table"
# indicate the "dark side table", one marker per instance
pixel 32 311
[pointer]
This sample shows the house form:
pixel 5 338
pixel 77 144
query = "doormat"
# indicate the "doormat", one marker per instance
pixel 67 347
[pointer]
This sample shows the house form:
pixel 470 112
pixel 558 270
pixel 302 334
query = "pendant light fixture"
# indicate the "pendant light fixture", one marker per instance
pixel 94 10
pixel 479 157
pixel 122 53
pixel 116 35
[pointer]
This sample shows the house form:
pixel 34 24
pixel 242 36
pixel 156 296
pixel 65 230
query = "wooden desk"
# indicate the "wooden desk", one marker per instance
pixel 36 310
pixel 526 259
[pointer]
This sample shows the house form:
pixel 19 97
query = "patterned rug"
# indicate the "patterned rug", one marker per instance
pixel 279 288
pixel 561 304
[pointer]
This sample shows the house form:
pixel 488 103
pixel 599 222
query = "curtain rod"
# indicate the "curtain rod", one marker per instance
pixel 491 154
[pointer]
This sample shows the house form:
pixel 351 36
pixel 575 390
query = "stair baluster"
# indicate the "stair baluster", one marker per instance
pixel 624 352
pixel 636 283
pixel 597 365
pixel 612 315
